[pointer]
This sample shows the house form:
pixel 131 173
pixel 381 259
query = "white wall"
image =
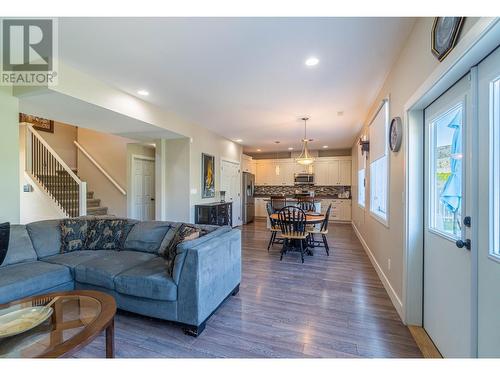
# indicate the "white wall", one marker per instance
pixel 35 205
pixel 61 142
pixel 413 66
pixel 83 87
pixel 9 157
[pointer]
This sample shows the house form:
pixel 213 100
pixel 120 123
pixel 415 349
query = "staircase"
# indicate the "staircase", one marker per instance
pixel 56 186
pixel 59 181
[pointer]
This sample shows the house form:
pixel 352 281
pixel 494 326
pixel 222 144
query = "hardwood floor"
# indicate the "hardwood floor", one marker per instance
pixel 331 306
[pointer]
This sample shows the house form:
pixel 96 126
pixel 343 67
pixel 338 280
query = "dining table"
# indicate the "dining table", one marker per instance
pixel 311 218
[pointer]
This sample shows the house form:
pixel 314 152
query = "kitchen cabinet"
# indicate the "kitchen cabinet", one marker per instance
pixel 334 171
pixel 247 164
pixel 345 172
pixel 260 207
pixel 341 209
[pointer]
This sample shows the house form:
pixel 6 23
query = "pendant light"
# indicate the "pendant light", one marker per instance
pixel 305 158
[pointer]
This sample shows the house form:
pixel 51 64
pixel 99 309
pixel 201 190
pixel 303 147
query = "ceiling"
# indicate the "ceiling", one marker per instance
pixel 66 109
pixel 245 78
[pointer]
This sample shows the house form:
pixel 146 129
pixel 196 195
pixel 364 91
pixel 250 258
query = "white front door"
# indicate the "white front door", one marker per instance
pixel 447 268
pixel 144 188
pixel 488 218
pixel 231 184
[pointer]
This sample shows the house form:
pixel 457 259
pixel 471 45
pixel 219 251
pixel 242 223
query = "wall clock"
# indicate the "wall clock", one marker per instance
pixel 445 33
pixel 395 134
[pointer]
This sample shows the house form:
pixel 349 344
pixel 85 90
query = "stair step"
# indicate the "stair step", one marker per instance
pixel 97 211
pixel 93 202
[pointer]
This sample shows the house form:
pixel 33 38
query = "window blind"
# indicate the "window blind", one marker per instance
pixel 378 133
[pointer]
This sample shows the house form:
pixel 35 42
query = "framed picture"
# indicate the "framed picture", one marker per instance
pixel 445 32
pixel 39 123
pixel 207 176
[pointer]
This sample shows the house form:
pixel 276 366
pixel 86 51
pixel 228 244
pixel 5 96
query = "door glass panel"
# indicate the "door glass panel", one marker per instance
pixel 495 167
pixel 446 172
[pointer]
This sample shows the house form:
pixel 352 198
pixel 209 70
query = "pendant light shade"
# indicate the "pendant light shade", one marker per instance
pixel 305 157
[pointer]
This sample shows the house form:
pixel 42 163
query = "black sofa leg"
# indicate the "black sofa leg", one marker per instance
pixel 236 290
pixel 194 331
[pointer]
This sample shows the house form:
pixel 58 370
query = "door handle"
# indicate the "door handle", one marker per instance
pixel 152 199
pixel 460 244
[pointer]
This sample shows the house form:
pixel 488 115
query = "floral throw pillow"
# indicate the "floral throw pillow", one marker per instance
pixel 73 234
pixel 183 233
pixel 105 234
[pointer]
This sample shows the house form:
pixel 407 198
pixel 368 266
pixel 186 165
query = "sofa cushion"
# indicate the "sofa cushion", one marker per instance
pixel 102 269
pixel 147 236
pixel 105 234
pixel 147 280
pixel 31 278
pixel 46 237
pixel 182 233
pixel 72 259
pixel 74 234
pixel 20 247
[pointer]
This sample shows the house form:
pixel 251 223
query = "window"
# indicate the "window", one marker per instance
pixel 379 175
pixel 495 168
pixel 361 187
pixel 445 142
pixel 361 175
pixel 378 183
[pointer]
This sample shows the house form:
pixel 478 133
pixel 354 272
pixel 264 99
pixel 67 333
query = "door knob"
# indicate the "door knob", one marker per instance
pixel 460 244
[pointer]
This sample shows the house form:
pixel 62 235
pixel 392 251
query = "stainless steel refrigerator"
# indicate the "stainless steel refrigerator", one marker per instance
pixel 248 200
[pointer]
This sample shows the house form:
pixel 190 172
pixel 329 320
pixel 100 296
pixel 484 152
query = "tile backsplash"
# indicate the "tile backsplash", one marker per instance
pixel 267 190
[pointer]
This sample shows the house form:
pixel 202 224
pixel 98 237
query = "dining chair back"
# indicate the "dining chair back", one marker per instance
pixel 278 202
pixel 324 224
pixel 292 221
pixel 307 206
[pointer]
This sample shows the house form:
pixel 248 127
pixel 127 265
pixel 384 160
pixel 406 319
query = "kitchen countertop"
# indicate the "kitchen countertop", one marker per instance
pixel 317 197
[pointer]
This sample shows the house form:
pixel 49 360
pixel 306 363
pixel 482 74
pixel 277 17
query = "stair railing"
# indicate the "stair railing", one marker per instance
pixel 100 168
pixel 56 177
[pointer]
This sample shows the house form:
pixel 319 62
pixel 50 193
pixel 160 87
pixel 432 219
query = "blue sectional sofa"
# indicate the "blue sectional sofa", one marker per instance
pixel 206 270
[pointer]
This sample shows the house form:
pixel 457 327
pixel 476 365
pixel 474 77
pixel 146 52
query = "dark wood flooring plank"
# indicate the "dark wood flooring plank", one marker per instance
pixel 330 306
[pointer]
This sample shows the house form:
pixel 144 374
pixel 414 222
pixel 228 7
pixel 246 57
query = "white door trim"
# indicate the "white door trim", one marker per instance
pixel 132 188
pixel 232 161
pixel 476 45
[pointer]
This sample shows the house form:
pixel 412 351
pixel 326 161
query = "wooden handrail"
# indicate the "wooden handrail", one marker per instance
pixel 56 156
pixel 98 166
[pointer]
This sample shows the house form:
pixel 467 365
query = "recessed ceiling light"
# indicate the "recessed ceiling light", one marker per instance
pixel 312 61
pixel 143 92
pixel 259 150
pixel 325 146
pixel 290 148
pixel 238 140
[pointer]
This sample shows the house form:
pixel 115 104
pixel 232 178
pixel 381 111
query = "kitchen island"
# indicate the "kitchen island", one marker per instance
pixel 341 207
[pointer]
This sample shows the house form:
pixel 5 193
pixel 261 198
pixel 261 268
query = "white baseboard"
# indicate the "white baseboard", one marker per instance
pixel 385 281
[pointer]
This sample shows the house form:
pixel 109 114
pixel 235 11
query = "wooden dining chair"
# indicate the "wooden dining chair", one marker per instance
pixel 278 202
pixel 323 230
pixel 307 206
pixel 292 222
pixel 275 228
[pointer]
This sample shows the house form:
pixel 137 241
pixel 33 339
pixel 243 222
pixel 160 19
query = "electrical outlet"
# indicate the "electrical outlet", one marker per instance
pixel 389 264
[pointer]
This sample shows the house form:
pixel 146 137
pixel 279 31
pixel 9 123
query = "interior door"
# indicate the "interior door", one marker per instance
pixel 231 184
pixel 144 189
pixel 488 218
pixel 447 268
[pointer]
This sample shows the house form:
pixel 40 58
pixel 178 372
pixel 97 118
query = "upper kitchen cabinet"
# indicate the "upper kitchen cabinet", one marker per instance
pixel 345 172
pixel 247 164
pixel 335 171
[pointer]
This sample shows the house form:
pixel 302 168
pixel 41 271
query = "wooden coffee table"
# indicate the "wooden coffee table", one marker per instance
pixel 79 317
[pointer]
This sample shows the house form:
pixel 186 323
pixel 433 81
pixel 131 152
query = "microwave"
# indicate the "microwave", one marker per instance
pixel 304 179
